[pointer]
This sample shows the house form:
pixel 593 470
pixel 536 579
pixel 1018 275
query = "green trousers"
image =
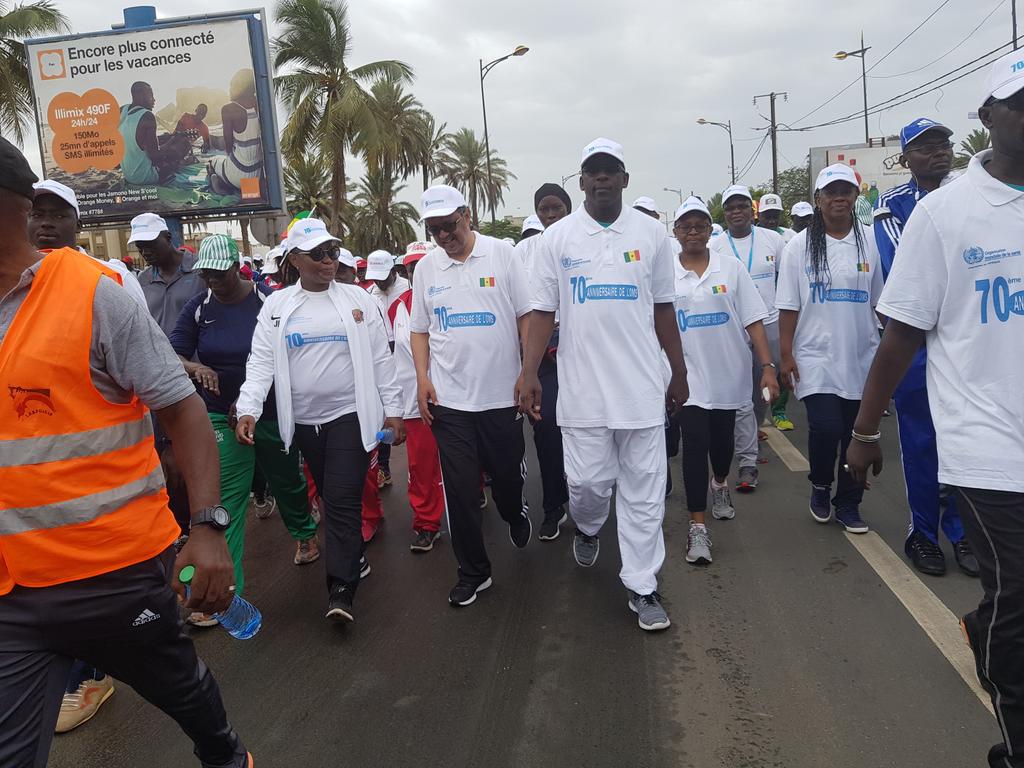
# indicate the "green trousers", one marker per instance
pixel 779 407
pixel 284 477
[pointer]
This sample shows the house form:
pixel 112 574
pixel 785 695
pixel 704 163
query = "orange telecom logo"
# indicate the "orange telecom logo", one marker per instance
pixel 85 130
pixel 51 65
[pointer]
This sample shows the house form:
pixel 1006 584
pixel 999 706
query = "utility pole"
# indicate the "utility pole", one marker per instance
pixel 774 135
pixel 1013 17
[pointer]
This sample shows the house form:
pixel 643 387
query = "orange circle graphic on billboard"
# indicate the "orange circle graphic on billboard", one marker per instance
pixel 85 130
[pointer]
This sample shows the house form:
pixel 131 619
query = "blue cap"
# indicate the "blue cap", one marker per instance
pixel 919 126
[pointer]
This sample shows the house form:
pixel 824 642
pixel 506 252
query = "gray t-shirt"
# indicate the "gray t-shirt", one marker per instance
pixel 128 353
pixel 165 299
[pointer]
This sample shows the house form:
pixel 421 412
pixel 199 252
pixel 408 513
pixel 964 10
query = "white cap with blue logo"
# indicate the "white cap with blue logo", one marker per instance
pixel 440 200
pixel 690 205
pixel 307 234
pixel 1006 76
pixel 836 172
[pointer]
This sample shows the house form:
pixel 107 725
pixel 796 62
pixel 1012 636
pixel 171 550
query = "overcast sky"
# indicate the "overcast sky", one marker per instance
pixel 642 73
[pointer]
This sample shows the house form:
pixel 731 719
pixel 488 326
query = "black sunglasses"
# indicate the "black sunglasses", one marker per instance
pixel 324 253
pixel 448 227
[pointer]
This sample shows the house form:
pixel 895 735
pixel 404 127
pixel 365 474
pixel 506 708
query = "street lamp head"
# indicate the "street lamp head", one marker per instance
pixel 520 50
pixel 842 55
pixel 701 121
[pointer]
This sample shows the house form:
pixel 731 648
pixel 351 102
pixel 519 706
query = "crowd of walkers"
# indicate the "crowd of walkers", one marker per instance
pixel 614 341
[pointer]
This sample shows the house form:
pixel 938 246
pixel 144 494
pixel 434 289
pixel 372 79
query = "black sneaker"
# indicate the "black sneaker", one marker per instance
pixel 464 593
pixel 926 555
pixel 821 505
pixel 850 519
pixel 965 558
pixel 549 529
pixel 520 531
pixel 364 567
pixel 424 541
pixel 339 605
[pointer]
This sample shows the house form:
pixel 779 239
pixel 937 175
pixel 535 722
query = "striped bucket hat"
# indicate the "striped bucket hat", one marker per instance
pixel 217 253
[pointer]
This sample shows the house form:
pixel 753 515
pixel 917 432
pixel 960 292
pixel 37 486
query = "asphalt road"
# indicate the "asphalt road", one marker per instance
pixel 788 652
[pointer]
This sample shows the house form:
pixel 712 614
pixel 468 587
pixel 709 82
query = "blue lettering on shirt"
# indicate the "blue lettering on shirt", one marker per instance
pixel 996 296
pixel 702 320
pixel 447 320
pixel 820 295
pixel 296 340
pixel 582 291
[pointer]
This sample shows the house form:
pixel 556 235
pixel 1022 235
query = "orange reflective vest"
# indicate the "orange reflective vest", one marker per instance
pixel 81 489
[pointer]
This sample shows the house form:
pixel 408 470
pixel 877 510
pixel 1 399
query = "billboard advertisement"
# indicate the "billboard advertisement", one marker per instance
pixel 878 166
pixel 177 119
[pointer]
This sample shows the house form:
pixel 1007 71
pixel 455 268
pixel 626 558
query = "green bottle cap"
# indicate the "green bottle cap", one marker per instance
pixel 186 575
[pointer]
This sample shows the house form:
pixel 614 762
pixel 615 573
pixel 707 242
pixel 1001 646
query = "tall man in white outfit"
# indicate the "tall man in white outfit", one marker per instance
pixel 470 304
pixel 966 237
pixel 608 271
pixel 758 250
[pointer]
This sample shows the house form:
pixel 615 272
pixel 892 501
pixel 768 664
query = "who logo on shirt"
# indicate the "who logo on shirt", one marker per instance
pixel 487 282
pixel 630 256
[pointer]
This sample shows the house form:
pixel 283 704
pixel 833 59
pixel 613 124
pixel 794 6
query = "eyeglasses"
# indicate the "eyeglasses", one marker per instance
pixel 448 227
pixel 324 253
pixel 700 226
pixel 931 149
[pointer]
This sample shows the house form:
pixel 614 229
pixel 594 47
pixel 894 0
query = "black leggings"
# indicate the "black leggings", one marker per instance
pixel 706 434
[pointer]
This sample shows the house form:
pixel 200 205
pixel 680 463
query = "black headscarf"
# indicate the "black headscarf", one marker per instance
pixel 555 190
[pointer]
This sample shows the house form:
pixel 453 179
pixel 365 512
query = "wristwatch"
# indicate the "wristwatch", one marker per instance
pixel 216 517
pixel 768 365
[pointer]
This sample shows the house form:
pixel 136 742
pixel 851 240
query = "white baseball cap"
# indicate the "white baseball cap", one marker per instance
pixel 272 261
pixel 601 146
pixel 802 209
pixel 440 200
pixel 716 229
pixel 51 187
pixel 379 265
pixel 347 258
pixel 147 227
pixel 689 205
pixel 307 234
pixel 416 251
pixel 836 172
pixel 770 202
pixel 532 222
pixel 1006 76
pixel 647 203
pixel 737 190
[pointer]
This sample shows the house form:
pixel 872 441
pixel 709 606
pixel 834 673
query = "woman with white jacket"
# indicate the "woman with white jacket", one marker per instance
pixel 324 348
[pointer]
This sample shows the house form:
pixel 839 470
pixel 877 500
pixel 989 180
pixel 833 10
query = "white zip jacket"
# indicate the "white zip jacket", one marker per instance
pixel 378 395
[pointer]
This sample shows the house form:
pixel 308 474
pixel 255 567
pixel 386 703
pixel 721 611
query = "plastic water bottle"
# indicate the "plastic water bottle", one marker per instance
pixel 242 619
pixel 386 436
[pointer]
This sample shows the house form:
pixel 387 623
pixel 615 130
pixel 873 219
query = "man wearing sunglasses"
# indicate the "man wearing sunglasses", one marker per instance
pixel 608 270
pixel 955 286
pixel 928 154
pixel 469 309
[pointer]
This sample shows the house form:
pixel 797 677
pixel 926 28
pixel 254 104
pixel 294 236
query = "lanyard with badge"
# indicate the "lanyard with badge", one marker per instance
pixel 750 256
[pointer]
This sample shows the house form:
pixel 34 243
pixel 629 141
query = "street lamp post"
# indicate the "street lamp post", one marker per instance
pixel 520 50
pixel 864 79
pixel 732 150
pixel 570 176
pixel 677 191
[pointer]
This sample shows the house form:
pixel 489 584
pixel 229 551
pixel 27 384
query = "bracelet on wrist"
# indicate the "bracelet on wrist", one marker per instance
pixel 768 365
pixel 866 438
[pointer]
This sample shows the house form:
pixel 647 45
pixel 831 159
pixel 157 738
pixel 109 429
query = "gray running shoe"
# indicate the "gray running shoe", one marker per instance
pixel 746 481
pixel 698 545
pixel 585 549
pixel 721 503
pixel 651 616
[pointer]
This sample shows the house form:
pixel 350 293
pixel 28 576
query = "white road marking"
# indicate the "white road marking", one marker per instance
pixel 790 455
pixel 931 614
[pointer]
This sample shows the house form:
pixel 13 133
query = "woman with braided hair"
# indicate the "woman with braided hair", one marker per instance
pixel 829 283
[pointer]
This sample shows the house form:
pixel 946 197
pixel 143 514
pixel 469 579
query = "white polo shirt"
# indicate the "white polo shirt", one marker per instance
pixel 837 331
pixel 958 275
pixel 604 282
pixel 759 252
pixel 405 367
pixel 713 311
pixel 470 310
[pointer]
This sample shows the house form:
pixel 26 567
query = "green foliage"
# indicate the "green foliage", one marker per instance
pixel 377 219
pixel 977 141
pixel 307 183
pixel 463 165
pixel 18 22
pixel 503 228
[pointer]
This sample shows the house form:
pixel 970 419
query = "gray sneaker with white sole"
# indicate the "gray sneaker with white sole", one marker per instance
pixel 721 503
pixel 650 614
pixel 585 549
pixel 698 545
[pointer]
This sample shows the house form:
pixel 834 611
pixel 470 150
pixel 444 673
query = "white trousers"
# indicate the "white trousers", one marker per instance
pixel 598 459
pixel 750 416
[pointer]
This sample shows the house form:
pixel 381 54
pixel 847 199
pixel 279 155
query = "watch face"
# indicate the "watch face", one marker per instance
pixel 221 516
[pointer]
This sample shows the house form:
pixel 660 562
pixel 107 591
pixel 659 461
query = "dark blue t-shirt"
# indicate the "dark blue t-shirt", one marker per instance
pixel 220 336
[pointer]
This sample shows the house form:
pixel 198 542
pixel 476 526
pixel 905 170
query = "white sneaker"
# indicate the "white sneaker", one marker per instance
pixel 721 503
pixel 698 545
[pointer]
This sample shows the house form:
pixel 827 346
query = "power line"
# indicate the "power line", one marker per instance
pixel 955 47
pixel 891 50
pixel 753 158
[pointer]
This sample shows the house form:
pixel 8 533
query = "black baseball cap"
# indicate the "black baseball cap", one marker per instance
pixel 15 174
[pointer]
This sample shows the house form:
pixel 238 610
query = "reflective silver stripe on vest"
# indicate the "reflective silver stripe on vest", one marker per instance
pixel 81 510
pixel 93 442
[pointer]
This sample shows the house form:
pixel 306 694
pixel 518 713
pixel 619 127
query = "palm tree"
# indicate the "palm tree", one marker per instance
pixel 328 101
pixel 432 142
pixel 307 179
pixel 976 141
pixel 463 164
pixel 397 145
pixel 715 208
pixel 377 219
pixel 16 23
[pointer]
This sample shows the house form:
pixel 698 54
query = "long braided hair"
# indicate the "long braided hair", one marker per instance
pixel 817 245
pixel 289 272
